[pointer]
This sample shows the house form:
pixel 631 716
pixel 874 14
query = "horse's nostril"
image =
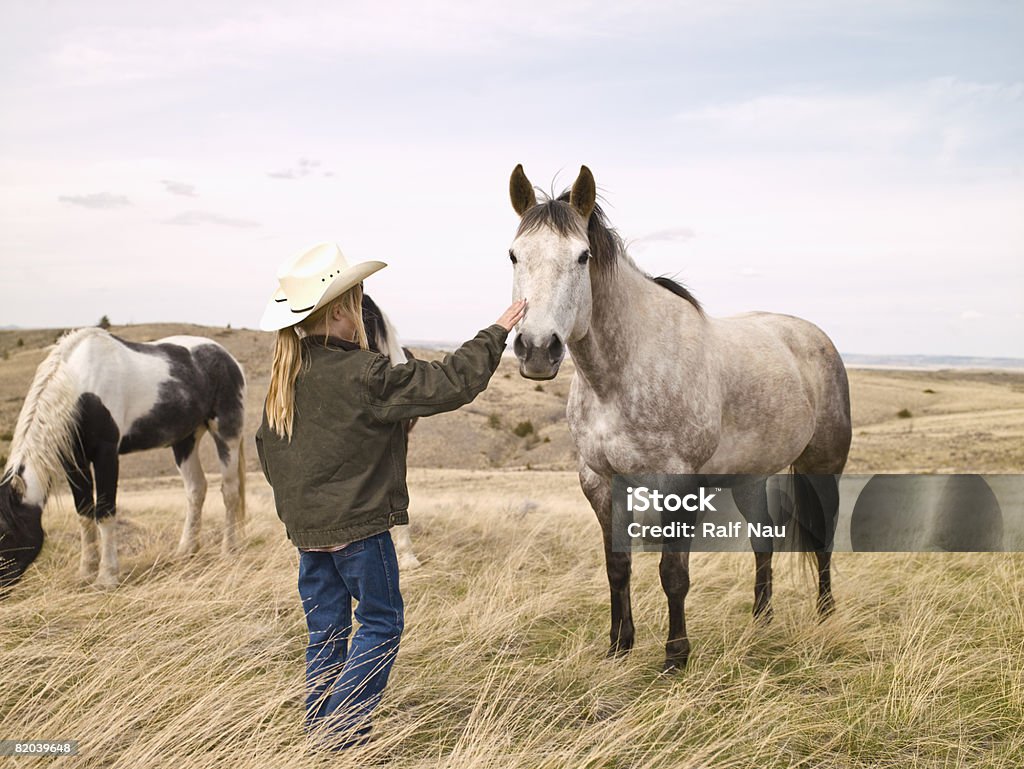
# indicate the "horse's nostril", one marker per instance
pixel 519 346
pixel 555 348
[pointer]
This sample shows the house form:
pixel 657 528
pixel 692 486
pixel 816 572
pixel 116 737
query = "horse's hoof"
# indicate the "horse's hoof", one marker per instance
pixel 186 551
pixel 673 665
pixel 106 582
pixel 826 609
pixel 620 649
pixel 763 618
pixel 408 562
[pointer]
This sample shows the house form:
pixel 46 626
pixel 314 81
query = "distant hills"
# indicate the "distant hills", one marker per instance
pixel 931 361
pixel 927 362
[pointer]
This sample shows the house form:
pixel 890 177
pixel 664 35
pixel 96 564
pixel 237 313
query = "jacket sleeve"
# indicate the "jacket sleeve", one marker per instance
pixel 262 455
pixel 420 388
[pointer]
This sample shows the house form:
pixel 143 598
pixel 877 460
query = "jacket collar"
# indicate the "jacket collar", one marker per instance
pixel 330 342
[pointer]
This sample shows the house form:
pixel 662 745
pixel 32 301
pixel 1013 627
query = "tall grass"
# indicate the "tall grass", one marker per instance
pixel 199 664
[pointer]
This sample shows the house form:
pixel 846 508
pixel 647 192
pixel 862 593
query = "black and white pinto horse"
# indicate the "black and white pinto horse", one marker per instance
pixel 382 338
pixel 95 397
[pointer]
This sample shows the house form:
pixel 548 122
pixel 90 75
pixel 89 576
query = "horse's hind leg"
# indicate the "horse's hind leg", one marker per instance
pixel 105 467
pixel 752 501
pixel 403 546
pixel 79 475
pixel 186 457
pixel 819 494
pixel 232 489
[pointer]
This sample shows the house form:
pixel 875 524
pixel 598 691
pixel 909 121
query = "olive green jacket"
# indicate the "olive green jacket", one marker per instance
pixel 342 475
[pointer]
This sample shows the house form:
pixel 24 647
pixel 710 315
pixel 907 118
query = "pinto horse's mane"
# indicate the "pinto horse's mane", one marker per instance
pixel 607 250
pixel 45 432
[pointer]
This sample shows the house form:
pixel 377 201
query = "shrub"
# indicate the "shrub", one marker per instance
pixel 523 429
pixel 104 322
pixel 6 435
pixel 539 388
pixel 20 342
pixel 929 391
pixel 904 414
pixel 494 421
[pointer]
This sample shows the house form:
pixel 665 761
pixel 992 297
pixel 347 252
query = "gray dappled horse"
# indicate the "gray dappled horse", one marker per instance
pixel 97 396
pixel 661 387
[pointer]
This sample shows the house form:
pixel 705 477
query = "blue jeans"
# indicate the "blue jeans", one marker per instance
pixel 344 680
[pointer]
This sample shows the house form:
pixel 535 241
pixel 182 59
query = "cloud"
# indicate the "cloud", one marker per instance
pixel 96 200
pixel 179 188
pixel 304 167
pixel 194 218
pixel 943 118
pixel 971 315
pixel 669 235
pixel 114 51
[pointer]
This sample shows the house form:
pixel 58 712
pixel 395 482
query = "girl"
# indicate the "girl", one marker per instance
pixel 332 446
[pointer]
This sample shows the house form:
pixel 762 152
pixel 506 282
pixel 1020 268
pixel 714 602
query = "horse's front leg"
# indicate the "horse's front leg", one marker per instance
pixel 675 581
pixel 79 475
pixel 675 571
pixel 186 457
pixel 105 468
pixel 598 491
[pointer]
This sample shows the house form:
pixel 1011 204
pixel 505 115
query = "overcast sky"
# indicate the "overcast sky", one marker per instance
pixel 858 164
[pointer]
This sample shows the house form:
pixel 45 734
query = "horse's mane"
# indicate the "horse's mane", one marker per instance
pixel 45 431
pixel 607 248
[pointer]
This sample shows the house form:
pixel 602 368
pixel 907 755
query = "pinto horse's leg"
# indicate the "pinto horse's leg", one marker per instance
pixel 232 489
pixel 407 559
pixel 598 491
pixel 79 475
pixel 752 501
pixel 186 456
pixel 105 467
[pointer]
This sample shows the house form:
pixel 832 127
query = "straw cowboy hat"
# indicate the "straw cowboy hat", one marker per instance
pixel 309 281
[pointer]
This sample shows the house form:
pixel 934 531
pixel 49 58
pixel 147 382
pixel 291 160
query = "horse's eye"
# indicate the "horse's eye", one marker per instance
pixel 512 256
pixel 584 257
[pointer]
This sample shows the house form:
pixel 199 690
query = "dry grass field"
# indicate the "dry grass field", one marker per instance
pixel 198 663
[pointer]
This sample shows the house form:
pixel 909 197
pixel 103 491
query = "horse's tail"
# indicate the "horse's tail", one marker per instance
pixel 391 346
pixel 242 480
pixel 815 508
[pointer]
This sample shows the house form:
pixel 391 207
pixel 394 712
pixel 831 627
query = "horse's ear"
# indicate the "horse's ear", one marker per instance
pixel 584 193
pixel 18 486
pixel 521 191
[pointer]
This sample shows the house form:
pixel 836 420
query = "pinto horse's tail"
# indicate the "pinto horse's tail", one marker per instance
pixel 241 481
pixel 814 510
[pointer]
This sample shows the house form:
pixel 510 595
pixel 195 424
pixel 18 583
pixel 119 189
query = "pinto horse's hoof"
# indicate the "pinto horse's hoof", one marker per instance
pixel 106 582
pixel 408 562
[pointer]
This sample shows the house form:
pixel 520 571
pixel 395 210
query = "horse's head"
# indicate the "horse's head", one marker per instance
pixel 21 530
pixel 550 257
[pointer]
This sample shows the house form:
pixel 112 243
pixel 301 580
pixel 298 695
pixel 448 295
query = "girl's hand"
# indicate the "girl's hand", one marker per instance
pixel 512 315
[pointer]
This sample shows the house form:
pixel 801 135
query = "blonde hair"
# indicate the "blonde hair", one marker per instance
pixel 288 360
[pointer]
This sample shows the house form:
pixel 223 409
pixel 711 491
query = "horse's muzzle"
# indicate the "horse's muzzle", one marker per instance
pixel 10 572
pixel 539 361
